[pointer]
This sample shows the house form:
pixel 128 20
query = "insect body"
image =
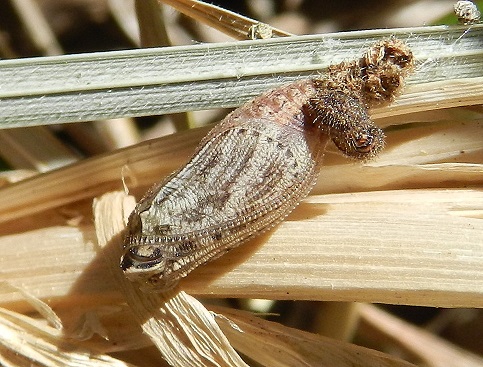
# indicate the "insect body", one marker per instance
pixel 246 175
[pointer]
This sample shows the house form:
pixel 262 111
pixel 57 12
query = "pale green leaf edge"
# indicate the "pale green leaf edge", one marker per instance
pixel 70 88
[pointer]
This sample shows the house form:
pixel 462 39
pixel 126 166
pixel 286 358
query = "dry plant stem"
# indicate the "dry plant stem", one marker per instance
pixel 265 342
pixel 122 13
pixel 10 177
pixel 431 350
pixel 404 259
pixel 118 133
pixel 151 26
pixel 273 344
pixel 37 27
pixel 182 329
pixel 434 96
pixel 154 81
pixel 317 253
pixel 29 342
pixel 153 33
pixel 34 148
pixel 235 25
pixel 337 320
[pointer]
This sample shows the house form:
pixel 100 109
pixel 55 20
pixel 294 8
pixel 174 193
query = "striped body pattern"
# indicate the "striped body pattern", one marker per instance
pixel 246 175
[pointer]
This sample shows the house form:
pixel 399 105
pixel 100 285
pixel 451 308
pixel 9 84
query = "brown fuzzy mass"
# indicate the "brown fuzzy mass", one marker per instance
pixel 377 77
pixel 339 107
pixel 346 121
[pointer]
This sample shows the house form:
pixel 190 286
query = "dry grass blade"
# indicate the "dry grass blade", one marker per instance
pixel 182 329
pixel 151 26
pixel 386 238
pixel 232 24
pixel 431 350
pixel 275 345
pixel 437 95
pixel 29 342
pixel 35 148
pixel 314 254
pixel 154 81
pixel 37 26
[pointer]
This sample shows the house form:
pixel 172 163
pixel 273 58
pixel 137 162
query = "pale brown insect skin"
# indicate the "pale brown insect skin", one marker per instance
pixel 245 176
pixel 255 166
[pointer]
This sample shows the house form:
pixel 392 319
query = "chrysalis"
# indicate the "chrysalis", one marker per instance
pixel 257 164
